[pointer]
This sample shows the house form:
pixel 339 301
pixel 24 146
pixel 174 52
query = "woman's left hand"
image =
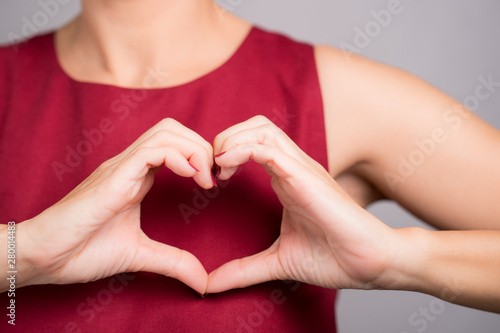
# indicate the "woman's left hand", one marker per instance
pixel 326 238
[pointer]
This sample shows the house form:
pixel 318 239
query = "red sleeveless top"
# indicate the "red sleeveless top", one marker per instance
pixel 54 131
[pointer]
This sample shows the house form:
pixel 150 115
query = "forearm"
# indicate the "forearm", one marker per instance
pixel 14 266
pixel 461 267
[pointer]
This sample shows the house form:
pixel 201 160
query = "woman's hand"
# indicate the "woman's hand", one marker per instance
pixel 94 232
pixel 326 238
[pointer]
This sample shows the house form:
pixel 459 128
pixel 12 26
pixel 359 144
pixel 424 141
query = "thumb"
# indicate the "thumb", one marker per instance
pixel 156 257
pixel 259 268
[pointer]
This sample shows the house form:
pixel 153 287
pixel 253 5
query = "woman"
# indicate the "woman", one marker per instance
pixel 81 120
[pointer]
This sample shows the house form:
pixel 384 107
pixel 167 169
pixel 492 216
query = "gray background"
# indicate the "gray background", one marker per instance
pixel 449 43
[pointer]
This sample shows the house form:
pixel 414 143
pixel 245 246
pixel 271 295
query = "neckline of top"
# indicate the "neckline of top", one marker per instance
pixel 196 80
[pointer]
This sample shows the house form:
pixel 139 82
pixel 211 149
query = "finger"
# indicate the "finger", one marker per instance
pixel 260 131
pixel 128 184
pixel 272 158
pixel 174 127
pixel 257 130
pixel 198 156
pixel 250 123
pixel 155 257
pixel 221 137
pixel 227 173
pixel 241 273
pixel 266 135
pixel 138 164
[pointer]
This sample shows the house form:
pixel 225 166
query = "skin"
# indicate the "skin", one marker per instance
pixel 327 238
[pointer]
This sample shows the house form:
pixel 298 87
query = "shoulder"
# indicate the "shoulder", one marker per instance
pixel 356 76
pixel 341 69
pixel 363 99
pixel 368 107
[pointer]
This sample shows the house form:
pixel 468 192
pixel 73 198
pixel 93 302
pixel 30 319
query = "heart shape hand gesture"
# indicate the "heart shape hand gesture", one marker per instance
pixel 94 232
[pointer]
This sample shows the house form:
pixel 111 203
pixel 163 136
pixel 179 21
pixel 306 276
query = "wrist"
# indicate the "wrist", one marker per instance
pixel 24 252
pixel 410 261
pixel 14 263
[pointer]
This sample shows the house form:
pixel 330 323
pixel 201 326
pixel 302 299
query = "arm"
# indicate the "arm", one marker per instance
pixel 461 267
pixel 419 147
pixel 410 142
pixel 328 240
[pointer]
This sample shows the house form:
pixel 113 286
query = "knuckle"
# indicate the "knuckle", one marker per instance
pixel 176 264
pixel 271 127
pixel 261 118
pixel 159 138
pixel 207 147
pixel 266 134
pixel 162 135
pixel 167 123
pixel 232 142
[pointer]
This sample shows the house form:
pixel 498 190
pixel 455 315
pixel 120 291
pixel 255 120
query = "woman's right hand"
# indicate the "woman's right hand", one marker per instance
pixel 94 232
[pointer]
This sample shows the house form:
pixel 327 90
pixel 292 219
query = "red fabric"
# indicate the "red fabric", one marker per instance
pixel 50 122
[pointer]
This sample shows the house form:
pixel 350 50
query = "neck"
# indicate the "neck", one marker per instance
pixel 121 41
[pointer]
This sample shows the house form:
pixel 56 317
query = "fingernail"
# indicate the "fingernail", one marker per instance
pixel 192 166
pixel 214 183
pixel 219 155
pixel 216 170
